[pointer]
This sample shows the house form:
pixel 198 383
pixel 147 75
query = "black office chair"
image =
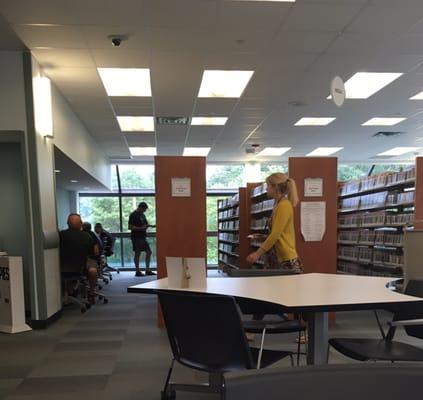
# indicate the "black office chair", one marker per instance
pixel 205 333
pixel 263 325
pixel 386 349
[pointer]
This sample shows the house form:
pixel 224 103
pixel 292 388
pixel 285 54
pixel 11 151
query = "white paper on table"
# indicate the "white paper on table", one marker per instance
pixel 186 272
pixel 181 187
pixel 313 220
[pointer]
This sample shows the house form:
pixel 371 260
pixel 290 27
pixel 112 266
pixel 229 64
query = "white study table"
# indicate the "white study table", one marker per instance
pixel 314 294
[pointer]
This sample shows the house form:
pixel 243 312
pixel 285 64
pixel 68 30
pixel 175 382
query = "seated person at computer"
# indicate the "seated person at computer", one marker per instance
pixel 75 248
pixel 108 241
pixel 279 245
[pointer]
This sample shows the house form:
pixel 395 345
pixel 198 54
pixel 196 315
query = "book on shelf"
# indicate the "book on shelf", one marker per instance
pixel 258 190
pixel 377 181
pixel 230 237
pixel 375 219
pixel 229 213
pixel 265 205
pixel 229 225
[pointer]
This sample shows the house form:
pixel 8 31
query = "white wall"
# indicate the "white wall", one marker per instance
pixel 71 137
pixel 12 93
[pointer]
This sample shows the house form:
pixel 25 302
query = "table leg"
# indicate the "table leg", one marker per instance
pixel 317 338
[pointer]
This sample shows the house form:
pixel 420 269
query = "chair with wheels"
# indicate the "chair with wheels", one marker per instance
pixel 74 290
pixel 205 333
pixel 386 349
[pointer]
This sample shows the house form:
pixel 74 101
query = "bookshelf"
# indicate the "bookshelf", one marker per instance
pixel 373 213
pixel 228 232
pixel 260 210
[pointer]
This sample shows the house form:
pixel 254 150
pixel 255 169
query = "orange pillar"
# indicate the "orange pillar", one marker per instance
pixel 317 256
pixel 418 205
pixel 181 221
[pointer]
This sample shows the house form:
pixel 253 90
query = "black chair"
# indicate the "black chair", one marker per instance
pixel 328 382
pixel 279 325
pixel 205 333
pixel 386 349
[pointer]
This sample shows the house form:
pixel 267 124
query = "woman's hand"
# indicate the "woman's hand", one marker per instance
pixel 253 257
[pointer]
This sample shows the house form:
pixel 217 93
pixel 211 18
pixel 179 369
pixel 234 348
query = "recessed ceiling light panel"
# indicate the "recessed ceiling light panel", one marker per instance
pixel 196 151
pixel 273 151
pixel 399 151
pixel 383 121
pixel 143 151
pixel 136 124
pixel 314 121
pixel 218 83
pixel 126 81
pixel 418 96
pixel 324 151
pixel 362 85
pixel 209 120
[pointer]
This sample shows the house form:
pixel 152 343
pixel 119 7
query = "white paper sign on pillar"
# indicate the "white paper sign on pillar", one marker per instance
pixel 181 187
pixel 313 187
pixel 313 220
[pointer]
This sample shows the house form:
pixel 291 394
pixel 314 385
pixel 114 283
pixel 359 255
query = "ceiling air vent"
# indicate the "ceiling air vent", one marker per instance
pixel 172 120
pixel 387 134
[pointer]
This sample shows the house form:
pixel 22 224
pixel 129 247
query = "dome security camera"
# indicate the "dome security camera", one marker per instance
pixel 116 41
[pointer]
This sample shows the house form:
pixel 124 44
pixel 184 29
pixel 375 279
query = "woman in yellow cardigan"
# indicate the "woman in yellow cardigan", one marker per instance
pixel 280 243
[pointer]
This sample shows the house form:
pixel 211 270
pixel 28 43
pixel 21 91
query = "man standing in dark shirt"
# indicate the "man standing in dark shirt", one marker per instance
pixel 75 247
pixel 138 225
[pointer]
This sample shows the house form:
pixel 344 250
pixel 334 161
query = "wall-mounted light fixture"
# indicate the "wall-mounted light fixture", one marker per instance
pixel 43 113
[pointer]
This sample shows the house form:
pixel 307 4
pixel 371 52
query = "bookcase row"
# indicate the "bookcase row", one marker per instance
pixel 377 200
pixel 368 237
pixel 375 182
pixel 229 225
pixel 228 203
pixel 370 255
pixel 352 268
pixel 375 219
pixel 228 213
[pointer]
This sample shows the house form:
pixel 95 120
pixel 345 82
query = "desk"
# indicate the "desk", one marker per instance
pixel 313 294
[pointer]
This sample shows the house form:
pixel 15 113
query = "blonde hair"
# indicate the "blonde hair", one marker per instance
pixel 285 185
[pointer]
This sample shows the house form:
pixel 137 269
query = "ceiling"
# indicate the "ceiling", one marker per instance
pixel 295 50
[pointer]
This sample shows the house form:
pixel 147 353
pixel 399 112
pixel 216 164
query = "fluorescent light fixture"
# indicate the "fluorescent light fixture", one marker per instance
pixel 362 85
pixel 383 121
pixel 43 111
pixel 197 151
pixel 273 151
pixel 126 81
pixel 209 120
pixel 310 121
pixel 324 151
pixel 57 171
pixel 418 96
pixel 218 83
pixel 399 151
pixel 74 181
pixel 143 151
pixel 136 124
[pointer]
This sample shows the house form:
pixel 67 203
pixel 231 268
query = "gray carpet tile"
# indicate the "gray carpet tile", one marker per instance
pixel 116 351
pixel 59 385
pixel 59 365
pixel 104 346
